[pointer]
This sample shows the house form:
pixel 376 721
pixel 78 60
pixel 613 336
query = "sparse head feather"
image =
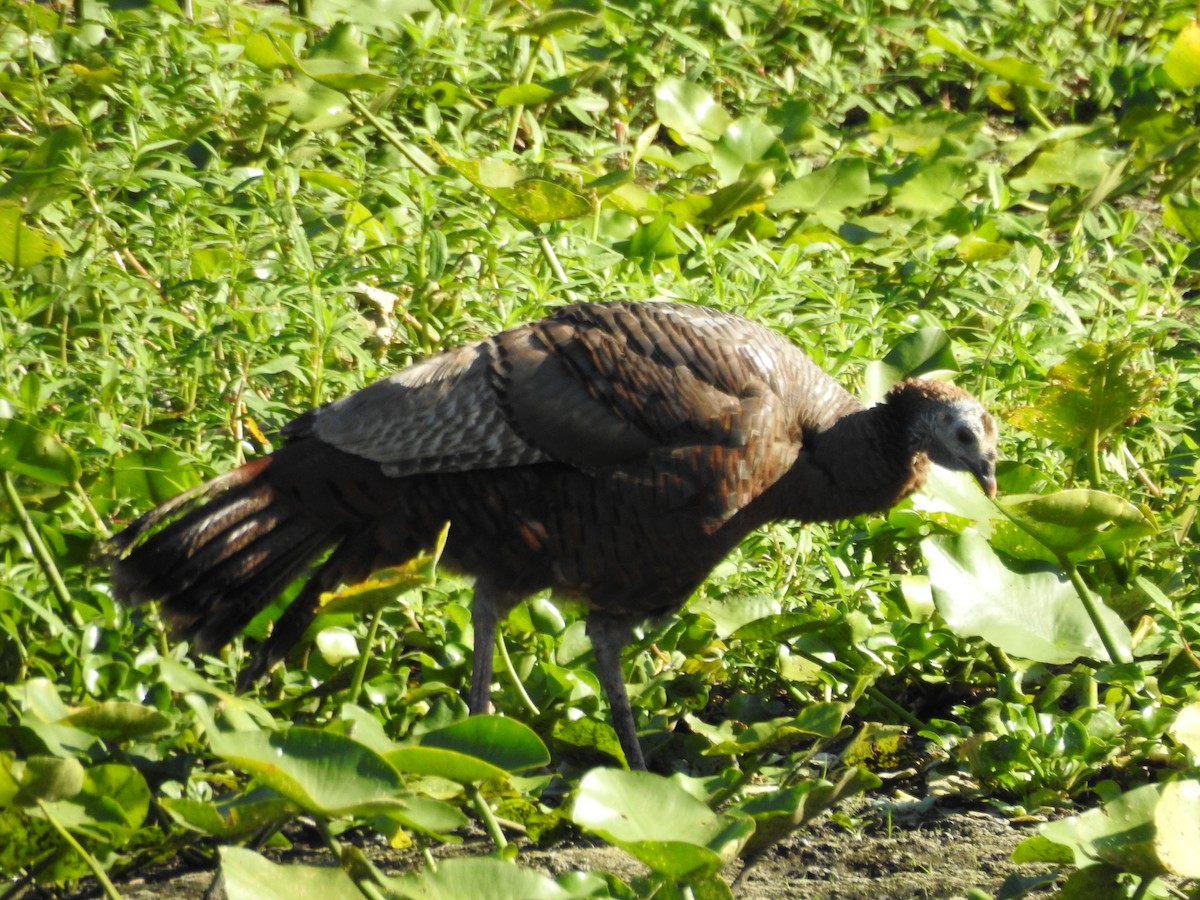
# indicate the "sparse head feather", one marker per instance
pixel 950 426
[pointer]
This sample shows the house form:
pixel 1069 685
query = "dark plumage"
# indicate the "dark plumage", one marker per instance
pixel 610 452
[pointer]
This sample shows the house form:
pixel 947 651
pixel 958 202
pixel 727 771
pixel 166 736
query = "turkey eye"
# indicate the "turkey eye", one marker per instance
pixel 965 437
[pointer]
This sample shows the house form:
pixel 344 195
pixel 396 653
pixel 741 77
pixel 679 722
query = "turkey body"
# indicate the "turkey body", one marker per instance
pixel 613 453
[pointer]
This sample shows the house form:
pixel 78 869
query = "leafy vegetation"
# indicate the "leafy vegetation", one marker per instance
pixel 215 216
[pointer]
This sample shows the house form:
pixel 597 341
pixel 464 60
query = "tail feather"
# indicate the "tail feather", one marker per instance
pixel 217 554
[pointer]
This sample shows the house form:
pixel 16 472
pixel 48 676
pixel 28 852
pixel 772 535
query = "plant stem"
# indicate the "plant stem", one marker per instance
pixel 90 861
pixel 487 817
pixel 360 668
pixel 40 553
pixel 422 162
pixel 526 700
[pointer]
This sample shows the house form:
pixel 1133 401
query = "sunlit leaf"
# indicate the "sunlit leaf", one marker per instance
pixel 1177 827
pixel 21 244
pixel 1182 62
pixel 1070 522
pixel 1033 614
pixel 840 185
pixel 777 814
pixel 1120 834
pixel 118 720
pixel 1096 389
pixel 248 876
pixel 27 451
pixel 317 770
pixel 1007 67
pixel 473 879
pixel 657 821
pixel 690 112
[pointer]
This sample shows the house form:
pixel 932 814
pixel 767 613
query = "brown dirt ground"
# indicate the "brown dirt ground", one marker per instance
pixel 931 852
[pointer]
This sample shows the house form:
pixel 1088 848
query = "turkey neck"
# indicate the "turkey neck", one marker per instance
pixel 864 462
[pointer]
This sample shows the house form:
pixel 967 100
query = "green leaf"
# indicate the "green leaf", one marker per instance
pixel 534 201
pixel 935 185
pixel 46 778
pixel 233 820
pixel 746 142
pixel 690 112
pixel 1096 389
pixel 475 879
pixel 778 813
pixel 22 245
pixel 1182 62
pixel 1007 67
pixel 118 720
pixel 563 15
pixel 1031 614
pixel 1069 522
pixel 660 823
pixel 1120 834
pixel 24 450
pixel 1186 728
pixel 249 876
pixel 321 772
pixel 1177 827
pixel 738 198
pixel 840 185
pixel 504 743
pixel 775 735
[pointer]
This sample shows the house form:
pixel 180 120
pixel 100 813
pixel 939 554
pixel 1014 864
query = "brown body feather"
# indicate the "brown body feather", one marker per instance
pixel 614 453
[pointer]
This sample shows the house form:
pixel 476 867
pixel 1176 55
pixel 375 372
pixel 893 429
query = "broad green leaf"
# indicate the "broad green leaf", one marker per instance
pixel 249 876
pixel 778 813
pixel 840 185
pixel 118 720
pixel 935 186
pixel 1077 163
pixel 563 15
pixel 1070 522
pixel 233 820
pixel 476 879
pixel 926 351
pixel 659 822
pixel 1177 827
pixel 1031 614
pixel 1182 215
pixel 653 240
pixel 731 614
pixel 321 772
pixel 1182 62
pixel 690 112
pixel 524 95
pixel 145 478
pixel 22 245
pixel 449 764
pixel 776 735
pixel 745 142
pixel 46 778
pixel 1007 67
pixel 27 451
pixel 1096 389
pixel 1120 834
pixel 112 804
pixel 738 198
pixel 504 743
pixel 1186 728
pixel 588 736
pixel 534 201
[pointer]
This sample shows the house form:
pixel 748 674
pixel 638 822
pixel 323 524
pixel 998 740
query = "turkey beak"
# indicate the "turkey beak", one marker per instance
pixel 985 474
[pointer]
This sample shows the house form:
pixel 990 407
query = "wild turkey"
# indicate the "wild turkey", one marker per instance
pixel 610 452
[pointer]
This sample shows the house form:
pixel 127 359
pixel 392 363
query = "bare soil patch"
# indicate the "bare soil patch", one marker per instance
pixel 939 852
